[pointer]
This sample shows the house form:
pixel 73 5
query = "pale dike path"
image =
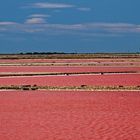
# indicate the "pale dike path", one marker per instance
pixel 40 115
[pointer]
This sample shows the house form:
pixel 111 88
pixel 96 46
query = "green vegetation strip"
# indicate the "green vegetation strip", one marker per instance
pixel 72 88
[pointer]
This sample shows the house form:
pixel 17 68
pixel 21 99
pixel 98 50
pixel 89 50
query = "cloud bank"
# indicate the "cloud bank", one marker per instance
pixel 39 16
pixel 51 5
pixel 38 25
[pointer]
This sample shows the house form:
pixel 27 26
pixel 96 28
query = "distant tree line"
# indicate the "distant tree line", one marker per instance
pixel 33 53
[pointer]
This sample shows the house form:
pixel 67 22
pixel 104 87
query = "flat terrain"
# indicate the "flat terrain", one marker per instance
pixel 74 80
pixel 96 60
pixel 70 97
pixel 69 115
pixel 60 69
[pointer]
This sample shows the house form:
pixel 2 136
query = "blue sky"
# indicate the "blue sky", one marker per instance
pixel 69 25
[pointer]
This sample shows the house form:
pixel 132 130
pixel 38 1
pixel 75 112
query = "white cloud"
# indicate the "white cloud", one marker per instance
pixel 7 23
pixel 36 20
pixel 39 25
pixel 84 9
pixel 39 16
pixel 51 5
